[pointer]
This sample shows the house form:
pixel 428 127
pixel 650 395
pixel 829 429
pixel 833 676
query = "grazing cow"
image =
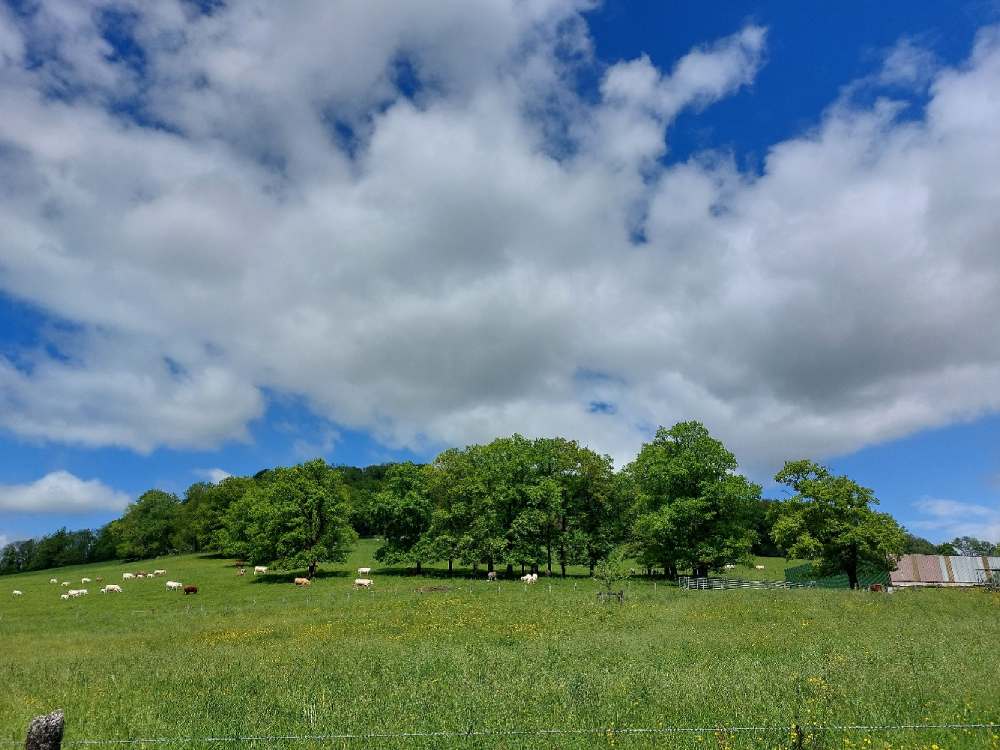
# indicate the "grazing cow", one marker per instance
pixel 140 576
pixel 728 566
pixel 159 572
pixel 364 571
pixel 302 582
pixel 53 580
pixel 174 585
pixel 363 583
pixel 18 593
pixel 64 596
pixel 99 579
pixel 526 578
pixel 128 576
pixel 77 592
pixel 491 576
pixel 190 590
pixel 242 572
pixel 85 580
pixel 259 569
pixel 65 584
pixel 111 588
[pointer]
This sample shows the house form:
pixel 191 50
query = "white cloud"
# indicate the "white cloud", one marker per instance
pixel 907 64
pixel 61 492
pixel 947 519
pixel 214 476
pixel 4 540
pixel 458 264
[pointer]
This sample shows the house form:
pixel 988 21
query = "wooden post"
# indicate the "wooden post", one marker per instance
pixel 46 732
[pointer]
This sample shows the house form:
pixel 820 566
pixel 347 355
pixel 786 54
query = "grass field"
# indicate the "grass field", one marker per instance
pixel 258 657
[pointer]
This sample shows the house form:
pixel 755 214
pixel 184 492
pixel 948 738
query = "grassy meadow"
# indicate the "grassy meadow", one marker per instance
pixel 258 657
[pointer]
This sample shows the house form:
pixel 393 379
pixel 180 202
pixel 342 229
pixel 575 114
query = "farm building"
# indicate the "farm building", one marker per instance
pixel 944 570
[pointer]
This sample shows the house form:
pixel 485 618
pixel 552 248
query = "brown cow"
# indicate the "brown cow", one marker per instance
pixel 302 582
pixel 190 589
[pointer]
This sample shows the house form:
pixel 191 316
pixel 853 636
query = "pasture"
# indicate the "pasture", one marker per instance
pixel 256 656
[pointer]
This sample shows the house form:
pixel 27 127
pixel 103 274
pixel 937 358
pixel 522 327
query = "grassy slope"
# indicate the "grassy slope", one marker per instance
pixel 250 656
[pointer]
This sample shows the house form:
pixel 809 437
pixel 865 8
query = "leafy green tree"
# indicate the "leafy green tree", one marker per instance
pixel 148 525
pixel 402 513
pixel 291 518
pixel 971 546
pixel 916 545
pixel 692 509
pixel 830 520
pixel 203 512
pixel 947 548
pixel 363 484
pixel 612 569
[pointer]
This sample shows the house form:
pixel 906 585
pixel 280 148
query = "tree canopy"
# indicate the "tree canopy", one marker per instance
pixel 830 519
pixel 692 510
pixel 293 517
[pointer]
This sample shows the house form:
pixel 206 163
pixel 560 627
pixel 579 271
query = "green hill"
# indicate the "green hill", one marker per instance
pixel 257 656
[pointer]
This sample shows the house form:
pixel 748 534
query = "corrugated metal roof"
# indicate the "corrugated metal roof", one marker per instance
pixel 930 569
pixel 966 568
pixel 957 569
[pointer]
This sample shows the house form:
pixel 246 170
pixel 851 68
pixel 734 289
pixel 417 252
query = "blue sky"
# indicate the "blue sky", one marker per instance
pixel 243 238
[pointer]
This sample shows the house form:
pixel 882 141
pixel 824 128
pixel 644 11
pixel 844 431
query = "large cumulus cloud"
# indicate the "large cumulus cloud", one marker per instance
pixel 417 222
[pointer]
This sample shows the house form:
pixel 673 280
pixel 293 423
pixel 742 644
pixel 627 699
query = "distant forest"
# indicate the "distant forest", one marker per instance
pixel 539 504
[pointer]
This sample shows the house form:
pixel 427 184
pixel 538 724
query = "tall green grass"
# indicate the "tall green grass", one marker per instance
pixel 256 656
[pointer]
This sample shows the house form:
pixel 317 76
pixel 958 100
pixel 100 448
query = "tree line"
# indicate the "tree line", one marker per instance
pixel 514 503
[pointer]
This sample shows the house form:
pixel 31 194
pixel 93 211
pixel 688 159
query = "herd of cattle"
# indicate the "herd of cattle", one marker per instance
pixel 113 588
pixel 363 582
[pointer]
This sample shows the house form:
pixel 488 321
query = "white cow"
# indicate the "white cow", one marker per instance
pixel 128 576
pixel 111 588
pixel 259 569
pixel 526 578
pixel 491 576
pixel 140 576
pixel 363 583
pixel 758 567
pixel 64 596
pixel 85 580
pixel 728 566
pixel 159 572
pixel 364 571
pixel 53 580
pixel 65 584
pixel 18 593
pixel 174 585
pixel 77 592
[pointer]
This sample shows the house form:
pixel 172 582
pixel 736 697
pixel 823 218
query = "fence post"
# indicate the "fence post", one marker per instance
pixel 46 732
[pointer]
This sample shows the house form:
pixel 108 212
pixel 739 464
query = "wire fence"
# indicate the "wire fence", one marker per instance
pixel 794 732
pixel 704 584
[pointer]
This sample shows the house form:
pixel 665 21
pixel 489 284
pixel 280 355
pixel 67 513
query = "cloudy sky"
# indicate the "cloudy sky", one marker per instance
pixel 241 235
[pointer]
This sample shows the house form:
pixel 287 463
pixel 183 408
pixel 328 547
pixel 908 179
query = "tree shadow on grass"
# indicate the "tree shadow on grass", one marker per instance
pixel 289 576
pixel 467 575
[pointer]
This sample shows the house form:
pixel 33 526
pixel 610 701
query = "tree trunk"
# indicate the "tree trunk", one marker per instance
pixel 312 570
pixel 510 570
pixel 591 568
pixel 450 561
pixel 852 576
pixel 550 559
pixel 418 567
pixel 562 565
